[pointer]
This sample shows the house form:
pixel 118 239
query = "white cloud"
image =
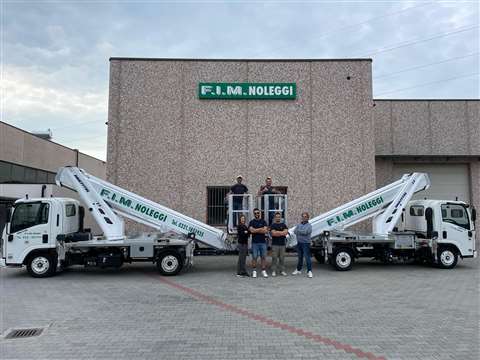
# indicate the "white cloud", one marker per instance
pixel 27 89
pixel 56 54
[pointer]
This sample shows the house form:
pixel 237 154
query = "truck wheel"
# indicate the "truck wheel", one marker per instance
pixel 342 259
pixel 319 257
pixel 169 263
pixel 447 258
pixel 41 265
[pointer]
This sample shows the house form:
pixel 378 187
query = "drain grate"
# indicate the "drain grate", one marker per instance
pixel 23 333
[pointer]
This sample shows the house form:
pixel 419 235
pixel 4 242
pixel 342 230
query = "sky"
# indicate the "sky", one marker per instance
pixel 54 55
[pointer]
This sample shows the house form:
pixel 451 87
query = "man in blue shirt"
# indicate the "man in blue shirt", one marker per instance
pixel 268 189
pixel 303 231
pixel 258 228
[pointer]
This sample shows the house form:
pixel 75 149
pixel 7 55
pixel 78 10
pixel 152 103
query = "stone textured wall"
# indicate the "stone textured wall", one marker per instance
pixel 166 144
pixel 427 127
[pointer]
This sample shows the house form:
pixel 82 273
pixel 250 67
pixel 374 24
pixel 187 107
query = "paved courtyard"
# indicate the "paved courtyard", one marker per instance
pixel 371 312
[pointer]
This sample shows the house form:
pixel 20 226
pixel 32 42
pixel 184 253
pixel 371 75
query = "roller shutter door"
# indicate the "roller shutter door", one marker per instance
pixel 449 181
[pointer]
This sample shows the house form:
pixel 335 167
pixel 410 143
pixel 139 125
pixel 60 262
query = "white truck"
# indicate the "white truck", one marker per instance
pixel 429 231
pixel 47 234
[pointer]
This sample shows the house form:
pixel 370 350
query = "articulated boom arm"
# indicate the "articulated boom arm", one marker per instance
pixel 75 179
pixel 106 200
pixel 385 204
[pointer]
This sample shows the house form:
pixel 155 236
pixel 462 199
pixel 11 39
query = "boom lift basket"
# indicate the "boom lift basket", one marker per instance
pixel 269 204
pixel 238 204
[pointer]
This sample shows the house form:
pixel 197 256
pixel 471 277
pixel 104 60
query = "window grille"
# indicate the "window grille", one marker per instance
pixel 217 205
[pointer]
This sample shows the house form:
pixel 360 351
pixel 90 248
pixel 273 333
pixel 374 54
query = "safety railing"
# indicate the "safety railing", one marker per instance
pixel 238 204
pixel 269 204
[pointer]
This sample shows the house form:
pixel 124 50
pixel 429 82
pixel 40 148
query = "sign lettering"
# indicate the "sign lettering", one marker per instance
pixel 247 91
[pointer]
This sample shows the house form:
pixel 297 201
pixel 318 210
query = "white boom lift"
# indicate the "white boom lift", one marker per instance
pixel 47 233
pixel 401 228
pixel 97 193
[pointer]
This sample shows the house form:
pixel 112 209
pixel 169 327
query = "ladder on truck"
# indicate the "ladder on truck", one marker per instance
pixel 384 205
pixel 108 203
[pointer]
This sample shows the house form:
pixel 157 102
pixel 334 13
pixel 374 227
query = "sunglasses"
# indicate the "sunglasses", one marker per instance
pixel 256 213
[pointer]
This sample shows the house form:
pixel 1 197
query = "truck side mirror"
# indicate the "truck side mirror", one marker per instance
pixel 8 220
pixel 429 219
pixel 9 214
pixel 428 214
pixel 474 214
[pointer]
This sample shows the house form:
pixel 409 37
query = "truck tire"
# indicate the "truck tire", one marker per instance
pixel 169 263
pixel 319 257
pixel 342 259
pixel 41 265
pixel 447 258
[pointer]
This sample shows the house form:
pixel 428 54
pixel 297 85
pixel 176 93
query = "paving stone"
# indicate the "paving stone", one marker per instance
pixel 396 312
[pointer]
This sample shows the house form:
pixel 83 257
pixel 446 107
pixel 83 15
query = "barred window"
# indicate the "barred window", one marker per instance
pixel 217 205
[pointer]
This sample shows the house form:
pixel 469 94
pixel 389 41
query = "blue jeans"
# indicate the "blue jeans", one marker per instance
pixel 259 250
pixel 303 250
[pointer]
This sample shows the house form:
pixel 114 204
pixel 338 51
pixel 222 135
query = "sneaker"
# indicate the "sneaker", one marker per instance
pixel 274 273
pixel 296 272
pixel 283 273
pixel 309 274
pixel 254 274
pixel 245 274
pixel 264 274
pixel 239 275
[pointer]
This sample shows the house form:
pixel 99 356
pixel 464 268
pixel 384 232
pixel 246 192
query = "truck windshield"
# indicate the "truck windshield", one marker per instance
pixel 455 214
pixel 28 215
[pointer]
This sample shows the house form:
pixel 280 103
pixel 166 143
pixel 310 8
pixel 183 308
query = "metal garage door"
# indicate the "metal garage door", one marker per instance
pixel 448 180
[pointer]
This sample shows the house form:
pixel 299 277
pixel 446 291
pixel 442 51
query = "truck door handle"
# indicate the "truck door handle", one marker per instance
pixel 45 238
pixel 470 234
pixel 10 238
pixel 444 234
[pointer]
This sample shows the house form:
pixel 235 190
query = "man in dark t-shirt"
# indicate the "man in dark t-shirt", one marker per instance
pixel 279 232
pixel 238 189
pixel 258 228
pixel 268 189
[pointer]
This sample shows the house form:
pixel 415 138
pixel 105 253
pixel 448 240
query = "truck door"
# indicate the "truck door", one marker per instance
pixel 457 228
pixel 28 230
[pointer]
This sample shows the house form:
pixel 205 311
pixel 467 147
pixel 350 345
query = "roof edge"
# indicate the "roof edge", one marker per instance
pixel 426 99
pixel 50 141
pixel 236 60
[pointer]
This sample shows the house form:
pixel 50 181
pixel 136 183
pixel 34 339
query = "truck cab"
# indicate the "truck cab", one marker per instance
pixel 451 223
pixel 30 236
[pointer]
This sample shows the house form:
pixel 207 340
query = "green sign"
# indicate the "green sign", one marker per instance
pixel 247 91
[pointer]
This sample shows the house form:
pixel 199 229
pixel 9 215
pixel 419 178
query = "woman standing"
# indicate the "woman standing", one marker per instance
pixel 243 234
